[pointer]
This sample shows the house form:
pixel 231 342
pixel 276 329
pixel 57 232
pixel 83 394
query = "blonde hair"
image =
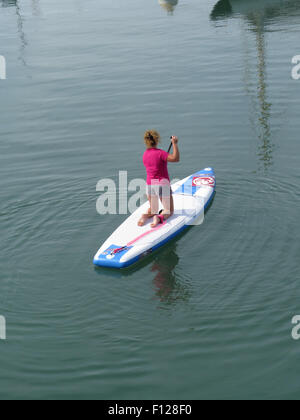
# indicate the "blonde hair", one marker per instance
pixel 151 138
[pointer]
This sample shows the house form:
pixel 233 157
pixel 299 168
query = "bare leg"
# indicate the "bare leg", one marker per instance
pixel 154 204
pixel 153 210
pixel 154 201
pixel 168 205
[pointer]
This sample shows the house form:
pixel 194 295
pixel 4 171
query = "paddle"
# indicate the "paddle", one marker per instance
pixel 170 145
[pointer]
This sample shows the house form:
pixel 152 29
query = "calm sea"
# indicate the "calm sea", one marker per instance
pixel 209 316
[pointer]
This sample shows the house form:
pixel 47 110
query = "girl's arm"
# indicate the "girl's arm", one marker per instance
pixel 175 156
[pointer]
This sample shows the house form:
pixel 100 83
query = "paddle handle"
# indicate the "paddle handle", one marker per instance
pixel 170 146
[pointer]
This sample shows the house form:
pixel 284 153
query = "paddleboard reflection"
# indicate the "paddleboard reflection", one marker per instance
pixel 169 288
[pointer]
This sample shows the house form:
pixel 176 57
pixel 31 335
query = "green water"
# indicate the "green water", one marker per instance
pixel 210 315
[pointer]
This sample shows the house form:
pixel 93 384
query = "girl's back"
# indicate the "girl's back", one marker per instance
pixel 156 163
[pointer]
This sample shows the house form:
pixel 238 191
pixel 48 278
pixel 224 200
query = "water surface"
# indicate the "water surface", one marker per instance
pixel 209 316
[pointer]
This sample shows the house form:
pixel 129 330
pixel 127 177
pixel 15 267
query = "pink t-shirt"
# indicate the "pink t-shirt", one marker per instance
pixel 156 164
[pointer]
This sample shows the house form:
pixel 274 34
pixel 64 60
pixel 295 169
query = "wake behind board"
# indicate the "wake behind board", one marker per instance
pixel 130 242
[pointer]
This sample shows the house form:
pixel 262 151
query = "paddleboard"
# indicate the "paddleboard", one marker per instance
pixel 130 242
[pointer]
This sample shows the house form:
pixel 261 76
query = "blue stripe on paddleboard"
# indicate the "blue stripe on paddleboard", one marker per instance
pixel 187 188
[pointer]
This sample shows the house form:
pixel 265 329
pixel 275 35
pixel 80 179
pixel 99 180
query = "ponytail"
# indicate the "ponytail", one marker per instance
pixel 151 138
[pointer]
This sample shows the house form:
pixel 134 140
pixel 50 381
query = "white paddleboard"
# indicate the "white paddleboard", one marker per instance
pixel 130 242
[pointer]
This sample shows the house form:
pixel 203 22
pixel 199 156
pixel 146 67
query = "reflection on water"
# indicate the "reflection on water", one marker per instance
pixel 20 25
pixel 36 7
pixel 258 16
pixel 221 10
pixel 21 32
pixel 261 107
pixel 169 288
pixel 168 5
pixel 265 151
pixel 270 9
pixel 8 3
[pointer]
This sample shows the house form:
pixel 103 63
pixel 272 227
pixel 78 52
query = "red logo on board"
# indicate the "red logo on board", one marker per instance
pixel 201 181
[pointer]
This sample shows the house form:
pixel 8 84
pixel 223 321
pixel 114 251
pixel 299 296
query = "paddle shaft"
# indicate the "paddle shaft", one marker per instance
pixel 170 147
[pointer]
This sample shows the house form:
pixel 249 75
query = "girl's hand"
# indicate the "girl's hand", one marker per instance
pixel 175 157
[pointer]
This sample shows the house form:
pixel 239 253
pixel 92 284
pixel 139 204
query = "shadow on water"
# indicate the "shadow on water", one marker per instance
pixel 258 14
pixel 168 5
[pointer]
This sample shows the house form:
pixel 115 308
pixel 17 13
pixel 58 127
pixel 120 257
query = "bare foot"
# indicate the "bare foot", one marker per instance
pixel 156 222
pixel 143 220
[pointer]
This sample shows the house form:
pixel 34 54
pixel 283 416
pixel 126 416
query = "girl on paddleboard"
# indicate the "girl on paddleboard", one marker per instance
pixel 158 180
